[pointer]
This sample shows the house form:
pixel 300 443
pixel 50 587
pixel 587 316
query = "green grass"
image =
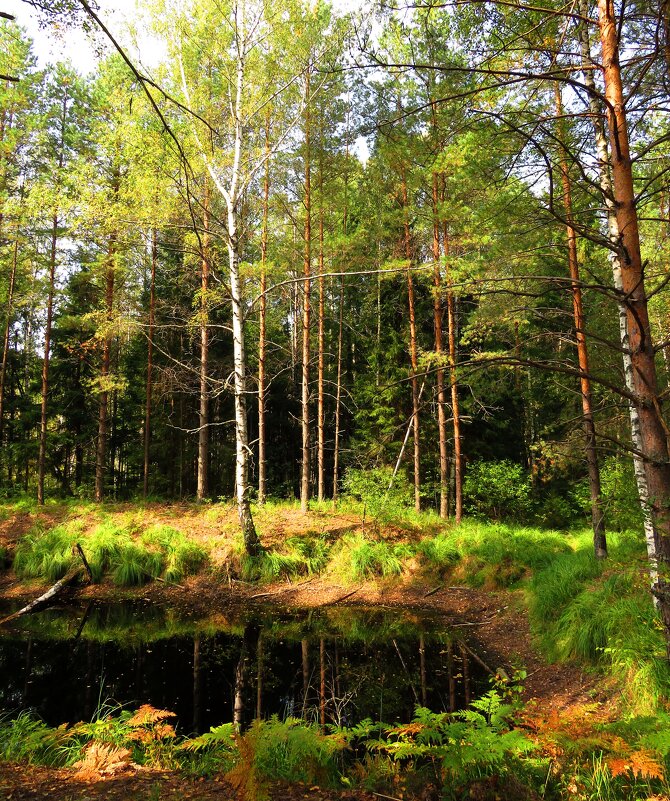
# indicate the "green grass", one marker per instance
pixel 110 549
pixel 27 739
pixel 357 558
pixel 601 613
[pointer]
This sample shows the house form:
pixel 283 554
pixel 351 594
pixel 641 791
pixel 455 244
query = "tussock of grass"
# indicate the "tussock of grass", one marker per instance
pixel 48 554
pixel 27 739
pixel 110 549
pixel 270 566
pixel 182 557
pixel 357 558
pixel 550 589
pixel 313 551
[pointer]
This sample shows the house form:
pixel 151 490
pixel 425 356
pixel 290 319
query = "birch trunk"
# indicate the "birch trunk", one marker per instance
pixel 251 541
pixel 150 362
pixel 602 151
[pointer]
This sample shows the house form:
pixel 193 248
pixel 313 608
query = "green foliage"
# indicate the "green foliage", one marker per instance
pixel 465 745
pixel 619 492
pixel 210 753
pixel 496 490
pixel 289 750
pixel 371 487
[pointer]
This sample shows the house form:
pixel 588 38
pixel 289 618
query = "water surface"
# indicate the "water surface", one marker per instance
pixel 337 664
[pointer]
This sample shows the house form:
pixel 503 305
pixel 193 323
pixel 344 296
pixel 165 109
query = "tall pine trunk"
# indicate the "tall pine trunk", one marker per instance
pixel 439 351
pixel 306 308
pixel 413 347
pixel 602 152
pixel 320 420
pixel 597 518
pixel 453 383
pixel 652 430
pixel 262 321
pixel 103 422
pixel 8 328
pixel 42 457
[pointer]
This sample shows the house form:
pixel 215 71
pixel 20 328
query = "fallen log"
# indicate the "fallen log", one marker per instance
pixel 342 597
pixel 53 591
pixel 292 588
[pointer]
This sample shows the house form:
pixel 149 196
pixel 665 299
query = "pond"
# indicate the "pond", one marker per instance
pixel 337 665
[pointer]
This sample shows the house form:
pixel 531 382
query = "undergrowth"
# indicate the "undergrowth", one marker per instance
pixel 491 749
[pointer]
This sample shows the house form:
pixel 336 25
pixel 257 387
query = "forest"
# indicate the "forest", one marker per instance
pixel 315 314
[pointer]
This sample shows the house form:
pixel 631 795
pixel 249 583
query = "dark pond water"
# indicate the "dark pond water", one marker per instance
pixel 345 664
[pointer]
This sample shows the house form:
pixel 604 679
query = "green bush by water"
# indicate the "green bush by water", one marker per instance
pixel 496 490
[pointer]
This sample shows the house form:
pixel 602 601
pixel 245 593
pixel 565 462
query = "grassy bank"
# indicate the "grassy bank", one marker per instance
pixel 581 610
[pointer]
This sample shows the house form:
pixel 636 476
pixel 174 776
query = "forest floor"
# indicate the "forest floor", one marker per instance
pixel 496 618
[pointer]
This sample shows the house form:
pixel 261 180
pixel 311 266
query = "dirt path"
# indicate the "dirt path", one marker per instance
pixel 31 783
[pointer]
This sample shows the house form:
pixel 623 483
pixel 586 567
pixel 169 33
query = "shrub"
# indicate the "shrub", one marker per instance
pixel 289 751
pixel 371 487
pixel 619 493
pixel 496 490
